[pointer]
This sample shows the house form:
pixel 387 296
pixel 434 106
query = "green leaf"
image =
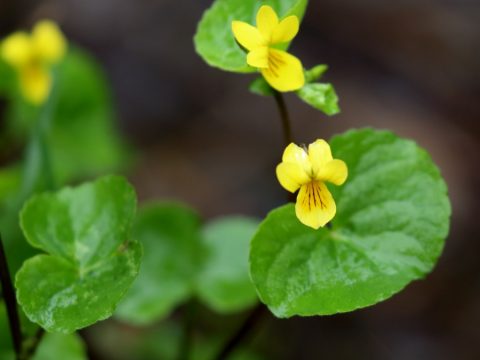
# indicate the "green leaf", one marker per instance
pixel 259 86
pixel 91 261
pixel 321 96
pixel 61 346
pixel 315 73
pixel 392 218
pixel 224 282
pixel 214 40
pixel 170 234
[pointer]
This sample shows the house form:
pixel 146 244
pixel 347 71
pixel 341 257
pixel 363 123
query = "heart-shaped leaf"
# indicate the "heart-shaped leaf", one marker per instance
pixel 90 261
pixel 392 219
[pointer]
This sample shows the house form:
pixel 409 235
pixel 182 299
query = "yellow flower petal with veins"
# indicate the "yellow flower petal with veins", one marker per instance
pixel 284 72
pixel 315 206
pixel 308 171
pixel 258 57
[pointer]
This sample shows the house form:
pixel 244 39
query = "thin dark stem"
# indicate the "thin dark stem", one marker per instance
pixel 284 117
pixel 249 323
pixel 10 302
pixel 186 341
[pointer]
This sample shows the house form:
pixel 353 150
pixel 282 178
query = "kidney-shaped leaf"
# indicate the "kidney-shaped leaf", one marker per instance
pixel 90 261
pixel 392 219
pixel 214 40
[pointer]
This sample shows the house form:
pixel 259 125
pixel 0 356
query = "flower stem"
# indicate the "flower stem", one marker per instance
pixel 248 324
pixel 10 303
pixel 284 117
pixel 186 341
pixel 37 156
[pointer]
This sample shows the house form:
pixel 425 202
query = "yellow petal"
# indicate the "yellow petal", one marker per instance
pixel 291 176
pixel 49 43
pixel 267 21
pixel 247 35
pixel 286 30
pixel 285 71
pixel 17 49
pixel 334 171
pixel 258 58
pixel 315 206
pixel 319 154
pixel 297 155
pixel 35 84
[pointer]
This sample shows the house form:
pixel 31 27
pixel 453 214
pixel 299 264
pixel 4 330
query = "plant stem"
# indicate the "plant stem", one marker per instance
pixel 186 341
pixel 284 117
pixel 10 302
pixel 37 156
pixel 249 323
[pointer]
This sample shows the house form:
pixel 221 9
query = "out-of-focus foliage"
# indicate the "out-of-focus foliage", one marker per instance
pixel 91 259
pixel 223 282
pixel 181 261
pixel 82 140
pixel 69 347
pixel 392 219
pixel 214 40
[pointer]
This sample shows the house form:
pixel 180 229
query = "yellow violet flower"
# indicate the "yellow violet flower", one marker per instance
pixel 284 72
pixel 308 171
pixel 33 56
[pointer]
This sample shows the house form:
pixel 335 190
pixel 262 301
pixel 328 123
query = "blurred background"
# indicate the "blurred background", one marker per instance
pixel 411 66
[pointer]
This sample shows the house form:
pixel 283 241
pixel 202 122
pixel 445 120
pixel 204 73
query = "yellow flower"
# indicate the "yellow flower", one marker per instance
pixel 33 56
pixel 284 72
pixel 308 171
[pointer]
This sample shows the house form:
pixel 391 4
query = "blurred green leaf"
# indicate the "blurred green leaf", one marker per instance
pixel 321 96
pixel 392 219
pixel 61 346
pixel 224 282
pixel 315 73
pixel 90 263
pixel 180 261
pixel 170 234
pixel 214 40
pixel 260 86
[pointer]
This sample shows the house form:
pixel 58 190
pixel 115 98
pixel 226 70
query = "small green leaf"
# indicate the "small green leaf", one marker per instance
pixel 91 260
pixel 315 73
pixel 170 234
pixel 260 87
pixel 61 346
pixel 224 282
pixel 392 219
pixel 214 40
pixel 321 96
